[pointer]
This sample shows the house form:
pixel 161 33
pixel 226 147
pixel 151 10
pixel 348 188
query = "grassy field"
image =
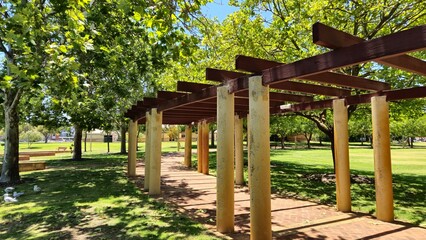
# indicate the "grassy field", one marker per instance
pixel 93 198
pixel 90 199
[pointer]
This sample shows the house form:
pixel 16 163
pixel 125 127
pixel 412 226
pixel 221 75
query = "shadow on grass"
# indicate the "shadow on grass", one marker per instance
pixel 91 199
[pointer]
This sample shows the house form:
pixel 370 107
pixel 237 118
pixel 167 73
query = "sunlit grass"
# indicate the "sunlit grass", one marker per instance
pixel 90 199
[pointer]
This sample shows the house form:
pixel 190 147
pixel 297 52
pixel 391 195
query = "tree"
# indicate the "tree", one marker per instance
pixel 33 37
pixel 308 129
pixel 31 136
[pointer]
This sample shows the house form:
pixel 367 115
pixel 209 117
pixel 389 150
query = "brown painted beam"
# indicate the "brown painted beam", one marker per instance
pixel 408 93
pixel 329 37
pixel 388 46
pixel 391 95
pixel 258 65
pixel 279 97
pixel 218 75
pixel 169 95
pixel 206 93
pixel 348 81
pixel 192 87
pixel 311 88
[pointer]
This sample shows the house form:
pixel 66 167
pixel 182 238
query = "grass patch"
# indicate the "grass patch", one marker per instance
pixel 92 199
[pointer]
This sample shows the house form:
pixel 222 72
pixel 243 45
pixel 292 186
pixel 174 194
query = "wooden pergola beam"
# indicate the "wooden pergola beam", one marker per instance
pixel 192 87
pixel 257 65
pixel 218 75
pixel 169 95
pixel 391 95
pixel 206 93
pixel 329 37
pixel 311 88
pixel 279 97
pixel 387 46
pixel 348 81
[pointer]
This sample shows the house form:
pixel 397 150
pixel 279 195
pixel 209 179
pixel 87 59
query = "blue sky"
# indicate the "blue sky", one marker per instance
pixel 219 9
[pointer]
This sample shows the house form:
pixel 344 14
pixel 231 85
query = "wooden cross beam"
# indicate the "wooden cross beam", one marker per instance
pixel 258 65
pixel 388 46
pixel 391 95
pixel 218 75
pixel 169 95
pixel 192 87
pixel 329 37
pixel 311 88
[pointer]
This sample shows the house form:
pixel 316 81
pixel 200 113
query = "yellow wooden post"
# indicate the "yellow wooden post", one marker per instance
pixel 131 148
pixel 147 149
pixel 199 146
pixel 155 163
pixel 178 142
pixel 248 152
pixel 382 159
pixel 205 147
pixel 341 151
pixel 239 156
pixel 188 146
pixel 260 190
pixel 225 163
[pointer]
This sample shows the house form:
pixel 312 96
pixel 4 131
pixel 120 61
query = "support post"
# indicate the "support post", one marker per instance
pixel 147 150
pixel 188 146
pixel 248 152
pixel 199 146
pixel 225 163
pixel 205 147
pixel 341 150
pixel 178 141
pixel 260 189
pixel 155 159
pixel 239 154
pixel 131 146
pixel 382 159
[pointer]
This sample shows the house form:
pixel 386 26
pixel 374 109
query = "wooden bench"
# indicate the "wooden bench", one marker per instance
pixel 24 157
pixel 31 166
pixel 39 153
pixel 62 149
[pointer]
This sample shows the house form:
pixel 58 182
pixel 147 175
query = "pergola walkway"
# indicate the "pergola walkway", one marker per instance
pixel 195 195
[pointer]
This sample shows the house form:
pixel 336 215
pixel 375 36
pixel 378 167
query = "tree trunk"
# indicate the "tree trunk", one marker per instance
pixel 123 139
pixel 10 168
pixel 77 143
pixel 282 141
pixel 212 139
pixel 46 138
pixel 85 141
pixel 308 139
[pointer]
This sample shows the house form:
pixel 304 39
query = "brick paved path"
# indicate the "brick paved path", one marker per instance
pixel 195 195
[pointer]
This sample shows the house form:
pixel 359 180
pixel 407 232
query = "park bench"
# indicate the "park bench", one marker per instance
pixel 62 149
pixel 24 157
pixel 31 165
pixel 39 153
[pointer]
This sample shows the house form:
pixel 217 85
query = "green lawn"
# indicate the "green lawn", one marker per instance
pixel 91 199
pixel 290 166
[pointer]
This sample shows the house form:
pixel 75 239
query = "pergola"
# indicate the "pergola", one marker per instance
pixel 248 93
